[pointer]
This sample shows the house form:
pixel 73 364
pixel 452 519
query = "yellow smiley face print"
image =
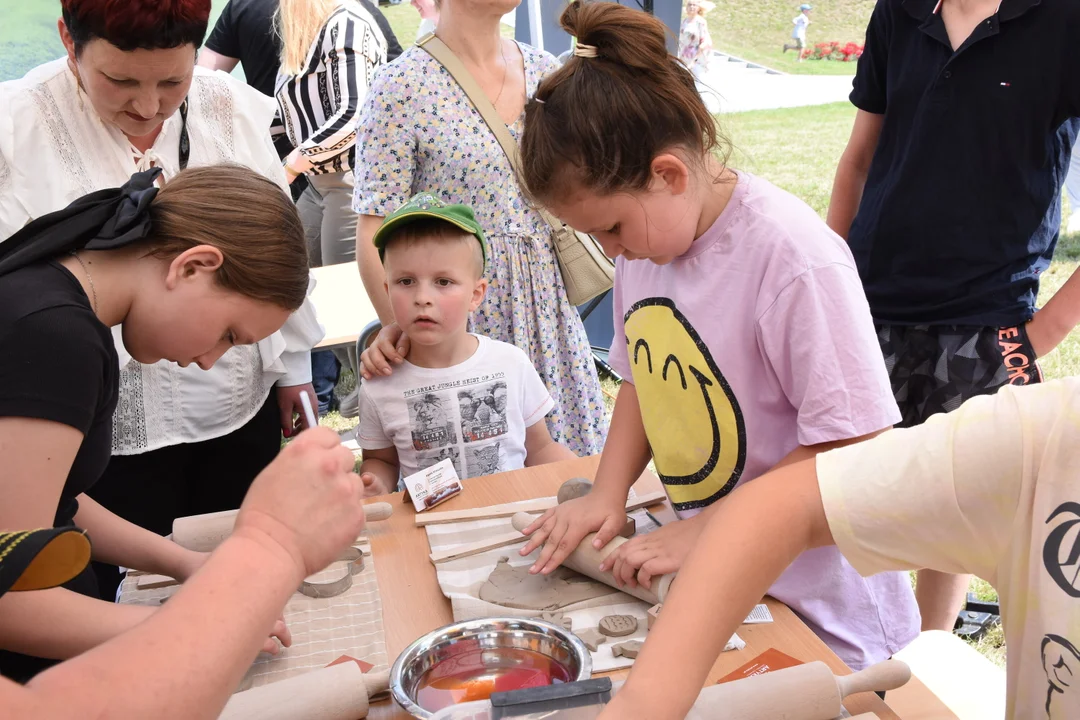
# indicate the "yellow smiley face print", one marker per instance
pixel 691 416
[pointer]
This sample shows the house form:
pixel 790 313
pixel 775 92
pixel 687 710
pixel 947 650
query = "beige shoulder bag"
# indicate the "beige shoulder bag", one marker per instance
pixel 586 270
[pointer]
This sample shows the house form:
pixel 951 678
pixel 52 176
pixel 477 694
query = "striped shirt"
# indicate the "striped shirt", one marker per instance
pixel 320 106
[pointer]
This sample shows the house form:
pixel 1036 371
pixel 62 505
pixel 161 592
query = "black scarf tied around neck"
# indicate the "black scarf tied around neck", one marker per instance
pixel 103 220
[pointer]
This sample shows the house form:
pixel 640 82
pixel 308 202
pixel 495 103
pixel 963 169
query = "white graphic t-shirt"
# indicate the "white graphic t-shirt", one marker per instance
pixel 474 413
pixel 993 489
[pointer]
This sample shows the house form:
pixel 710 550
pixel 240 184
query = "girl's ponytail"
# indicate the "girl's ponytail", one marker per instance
pixel 621 100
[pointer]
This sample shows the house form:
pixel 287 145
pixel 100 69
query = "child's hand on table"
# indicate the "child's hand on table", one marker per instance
pixel 640 559
pixel 562 528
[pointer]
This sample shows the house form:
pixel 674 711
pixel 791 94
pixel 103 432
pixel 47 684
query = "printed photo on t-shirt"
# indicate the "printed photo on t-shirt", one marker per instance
pixel 483 411
pixel 484 459
pixel 431 421
pixel 426 459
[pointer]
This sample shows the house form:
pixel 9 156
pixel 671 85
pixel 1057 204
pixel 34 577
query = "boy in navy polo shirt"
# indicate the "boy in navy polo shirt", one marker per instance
pixel 949 195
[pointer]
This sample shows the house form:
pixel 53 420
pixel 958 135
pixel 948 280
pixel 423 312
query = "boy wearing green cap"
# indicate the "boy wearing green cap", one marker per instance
pixel 470 399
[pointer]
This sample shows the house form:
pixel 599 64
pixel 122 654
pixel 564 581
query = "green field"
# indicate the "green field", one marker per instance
pixel 757 30
pixel 751 29
pixel 28 35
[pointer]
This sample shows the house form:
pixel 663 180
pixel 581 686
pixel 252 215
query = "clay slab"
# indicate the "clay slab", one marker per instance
pixel 513 587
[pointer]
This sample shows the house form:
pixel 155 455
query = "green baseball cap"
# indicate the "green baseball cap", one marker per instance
pixel 425 206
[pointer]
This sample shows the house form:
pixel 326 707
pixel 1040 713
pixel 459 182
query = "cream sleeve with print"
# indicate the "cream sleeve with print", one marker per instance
pixel 942 495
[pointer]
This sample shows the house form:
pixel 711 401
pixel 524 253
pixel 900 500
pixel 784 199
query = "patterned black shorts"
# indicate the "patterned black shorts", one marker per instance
pixel 934 369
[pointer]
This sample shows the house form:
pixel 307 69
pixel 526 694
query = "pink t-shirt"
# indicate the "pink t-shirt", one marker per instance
pixel 755 341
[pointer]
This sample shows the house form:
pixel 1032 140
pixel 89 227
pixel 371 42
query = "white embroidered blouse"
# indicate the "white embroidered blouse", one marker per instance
pixel 54 148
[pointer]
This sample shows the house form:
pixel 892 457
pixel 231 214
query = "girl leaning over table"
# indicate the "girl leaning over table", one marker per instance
pixel 128 97
pixel 740 323
pixel 215 259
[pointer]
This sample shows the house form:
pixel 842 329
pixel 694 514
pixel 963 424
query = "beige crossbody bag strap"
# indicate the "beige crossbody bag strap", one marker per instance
pixel 438 50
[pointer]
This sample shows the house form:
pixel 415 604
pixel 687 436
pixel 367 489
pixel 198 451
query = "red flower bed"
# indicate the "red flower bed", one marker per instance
pixel 833 51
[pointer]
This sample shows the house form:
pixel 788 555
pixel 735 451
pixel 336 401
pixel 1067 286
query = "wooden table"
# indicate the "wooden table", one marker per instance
pixel 414 605
pixel 341 303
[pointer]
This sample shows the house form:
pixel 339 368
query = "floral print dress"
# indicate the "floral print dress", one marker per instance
pixel 695 44
pixel 419 132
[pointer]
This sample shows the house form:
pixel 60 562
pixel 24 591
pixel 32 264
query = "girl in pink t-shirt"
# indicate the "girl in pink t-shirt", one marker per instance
pixel 741 327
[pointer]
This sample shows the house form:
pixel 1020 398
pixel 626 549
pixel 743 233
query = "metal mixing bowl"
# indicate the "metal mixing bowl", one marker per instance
pixel 492 634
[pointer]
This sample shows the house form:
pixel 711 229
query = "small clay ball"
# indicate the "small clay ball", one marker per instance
pixel 618 625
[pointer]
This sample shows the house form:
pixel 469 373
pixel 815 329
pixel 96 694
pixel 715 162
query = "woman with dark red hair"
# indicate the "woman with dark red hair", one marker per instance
pixel 128 97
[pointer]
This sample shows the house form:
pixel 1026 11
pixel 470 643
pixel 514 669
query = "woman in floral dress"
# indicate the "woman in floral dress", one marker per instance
pixel 418 131
pixel 695 42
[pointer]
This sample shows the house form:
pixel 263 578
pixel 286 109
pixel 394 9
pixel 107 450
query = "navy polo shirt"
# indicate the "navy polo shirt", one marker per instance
pixel 961 209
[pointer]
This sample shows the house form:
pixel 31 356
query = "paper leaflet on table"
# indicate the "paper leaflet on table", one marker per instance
pixel 434 485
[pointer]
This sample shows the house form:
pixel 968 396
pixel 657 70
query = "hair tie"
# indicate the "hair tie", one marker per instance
pixel 102 220
pixel 585 51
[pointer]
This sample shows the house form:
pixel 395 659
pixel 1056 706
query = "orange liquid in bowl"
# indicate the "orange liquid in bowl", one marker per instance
pixel 472 673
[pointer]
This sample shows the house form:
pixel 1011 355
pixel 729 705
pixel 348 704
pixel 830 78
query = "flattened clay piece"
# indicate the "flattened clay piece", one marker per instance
pixel 572 489
pixel 654 613
pixel 618 625
pixel 558 619
pixel 628 649
pixel 592 638
pixel 514 587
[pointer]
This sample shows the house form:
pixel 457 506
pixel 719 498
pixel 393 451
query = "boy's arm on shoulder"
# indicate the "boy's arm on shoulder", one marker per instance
pixel 541 448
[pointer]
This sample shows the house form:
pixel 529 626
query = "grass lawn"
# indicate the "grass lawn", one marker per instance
pixel 28 35
pixel 756 30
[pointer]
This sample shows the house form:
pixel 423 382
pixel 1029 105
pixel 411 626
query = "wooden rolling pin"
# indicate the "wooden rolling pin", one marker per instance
pixel 338 692
pixel 205 532
pixel 803 692
pixel 586 560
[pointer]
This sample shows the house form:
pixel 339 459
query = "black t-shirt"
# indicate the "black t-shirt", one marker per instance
pixel 961 209
pixel 58 363
pixel 245 31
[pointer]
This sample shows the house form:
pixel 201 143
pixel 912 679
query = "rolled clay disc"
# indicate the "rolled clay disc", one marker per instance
pixel 512 586
pixel 618 625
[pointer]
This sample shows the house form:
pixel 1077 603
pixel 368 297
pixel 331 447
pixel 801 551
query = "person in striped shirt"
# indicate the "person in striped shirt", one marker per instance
pixel 330 52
